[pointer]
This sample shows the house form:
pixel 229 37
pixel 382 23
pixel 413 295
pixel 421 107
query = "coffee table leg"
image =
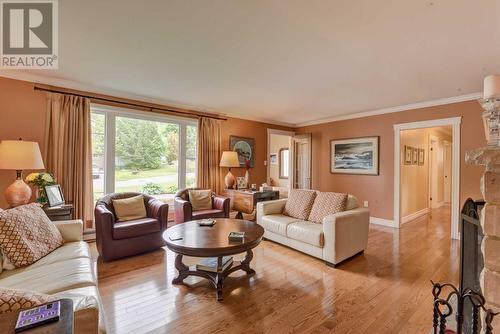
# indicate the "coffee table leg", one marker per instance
pixel 181 268
pixel 219 279
pixel 245 264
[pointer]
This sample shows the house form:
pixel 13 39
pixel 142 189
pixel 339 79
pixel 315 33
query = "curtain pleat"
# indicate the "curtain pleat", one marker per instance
pixel 209 152
pixel 68 150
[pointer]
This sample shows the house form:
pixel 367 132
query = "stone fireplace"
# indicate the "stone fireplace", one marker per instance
pixel 490 223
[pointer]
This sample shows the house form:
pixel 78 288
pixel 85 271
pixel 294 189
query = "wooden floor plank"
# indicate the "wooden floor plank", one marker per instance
pixel 385 290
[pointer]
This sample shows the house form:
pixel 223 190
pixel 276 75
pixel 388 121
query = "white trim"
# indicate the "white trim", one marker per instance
pixel 414 215
pixel 438 205
pixel 405 107
pixel 275 132
pixel 455 185
pixel 381 221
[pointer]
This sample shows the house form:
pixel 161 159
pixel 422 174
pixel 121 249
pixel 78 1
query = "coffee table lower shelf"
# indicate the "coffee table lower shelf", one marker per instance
pixel 217 278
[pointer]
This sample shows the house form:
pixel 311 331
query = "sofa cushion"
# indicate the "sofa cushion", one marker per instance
pixel 135 228
pixel 212 213
pixel 52 278
pixel 200 199
pixel 307 232
pixel 277 223
pixel 15 299
pixel 129 208
pixel 352 202
pixel 327 203
pixel 27 234
pixel 70 250
pixel 299 203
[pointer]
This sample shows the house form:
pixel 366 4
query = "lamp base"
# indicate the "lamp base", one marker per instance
pixel 18 193
pixel 229 180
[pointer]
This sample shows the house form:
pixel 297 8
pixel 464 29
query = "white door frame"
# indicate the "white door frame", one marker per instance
pixel 454 122
pixel 290 170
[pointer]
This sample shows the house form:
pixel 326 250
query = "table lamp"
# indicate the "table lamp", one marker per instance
pixel 19 155
pixel 229 159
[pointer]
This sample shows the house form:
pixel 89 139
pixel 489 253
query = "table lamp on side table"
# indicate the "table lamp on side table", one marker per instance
pixel 19 155
pixel 229 159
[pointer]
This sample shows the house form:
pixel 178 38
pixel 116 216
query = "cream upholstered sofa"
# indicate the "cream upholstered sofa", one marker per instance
pixel 338 237
pixel 67 272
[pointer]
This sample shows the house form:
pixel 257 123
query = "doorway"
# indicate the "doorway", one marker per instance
pixel 426 170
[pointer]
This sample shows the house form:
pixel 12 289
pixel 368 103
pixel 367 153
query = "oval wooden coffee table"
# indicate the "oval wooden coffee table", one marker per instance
pixel 203 241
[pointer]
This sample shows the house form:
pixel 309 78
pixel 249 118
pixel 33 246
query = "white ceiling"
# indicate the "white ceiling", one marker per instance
pixel 282 61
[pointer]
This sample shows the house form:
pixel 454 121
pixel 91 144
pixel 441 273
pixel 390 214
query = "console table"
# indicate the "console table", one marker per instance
pixel 60 212
pixel 244 201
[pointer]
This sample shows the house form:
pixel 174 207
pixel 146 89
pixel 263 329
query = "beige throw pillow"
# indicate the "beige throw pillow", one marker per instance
pixel 326 204
pixel 27 234
pixel 299 203
pixel 15 299
pixel 130 208
pixel 200 199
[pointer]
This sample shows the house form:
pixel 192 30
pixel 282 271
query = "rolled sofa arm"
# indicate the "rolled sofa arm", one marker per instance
pixel 275 207
pixel 71 230
pixel 346 234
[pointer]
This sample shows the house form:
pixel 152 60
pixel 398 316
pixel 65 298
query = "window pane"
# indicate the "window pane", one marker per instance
pixel 98 125
pixel 146 157
pixel 191 144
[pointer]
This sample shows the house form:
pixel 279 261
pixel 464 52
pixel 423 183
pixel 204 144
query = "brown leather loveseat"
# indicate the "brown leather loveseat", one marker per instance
pixel 120 239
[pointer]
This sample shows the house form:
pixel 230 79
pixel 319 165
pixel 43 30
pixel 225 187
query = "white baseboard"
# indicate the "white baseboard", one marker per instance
pixel 382 221
pixel 414 215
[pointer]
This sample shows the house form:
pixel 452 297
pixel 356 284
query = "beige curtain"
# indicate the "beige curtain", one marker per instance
pixel 68 150
pixel 209 152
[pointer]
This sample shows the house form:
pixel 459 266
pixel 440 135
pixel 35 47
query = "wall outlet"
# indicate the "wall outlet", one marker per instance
pixel 265 162
pixel 365 204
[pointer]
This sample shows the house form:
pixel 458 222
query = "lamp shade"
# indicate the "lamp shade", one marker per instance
pixel 229 159
pixel 20 155
pixel 491 86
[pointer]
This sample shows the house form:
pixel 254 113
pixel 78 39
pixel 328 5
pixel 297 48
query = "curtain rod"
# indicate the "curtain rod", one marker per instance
pixel 136 104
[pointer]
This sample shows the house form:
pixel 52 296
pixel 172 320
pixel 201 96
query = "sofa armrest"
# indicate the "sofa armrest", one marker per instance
pixel 71 230
pixel 183 210
pixel 275 207
pixel 222 203
pixel 346 234
pixel 158 210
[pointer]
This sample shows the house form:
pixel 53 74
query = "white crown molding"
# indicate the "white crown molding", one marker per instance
pixel 418 105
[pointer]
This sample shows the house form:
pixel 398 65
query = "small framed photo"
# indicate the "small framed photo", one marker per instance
pixel 421 156
pixel 414 159
pixel 54 195
pixel 408 155
pixel 273 159
pixel 241 182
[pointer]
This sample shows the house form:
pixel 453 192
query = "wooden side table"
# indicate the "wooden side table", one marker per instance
pixel 60 212
pixel 244 201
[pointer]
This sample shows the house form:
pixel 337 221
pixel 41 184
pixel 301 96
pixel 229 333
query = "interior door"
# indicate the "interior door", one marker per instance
pixel 301 161
pixel 447 173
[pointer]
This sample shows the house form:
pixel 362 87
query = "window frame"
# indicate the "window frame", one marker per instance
pixel 110 114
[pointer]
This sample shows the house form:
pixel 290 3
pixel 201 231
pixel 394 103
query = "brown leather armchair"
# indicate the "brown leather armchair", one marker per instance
pixel 120 239
pixel 184 210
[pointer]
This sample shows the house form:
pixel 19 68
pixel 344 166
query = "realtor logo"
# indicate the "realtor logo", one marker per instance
pixel 29 34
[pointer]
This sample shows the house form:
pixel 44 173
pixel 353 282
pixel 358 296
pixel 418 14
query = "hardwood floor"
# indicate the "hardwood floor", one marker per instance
pixel 385 290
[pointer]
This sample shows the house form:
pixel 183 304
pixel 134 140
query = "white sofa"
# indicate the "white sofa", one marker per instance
pixel 339 237
pixel 67 272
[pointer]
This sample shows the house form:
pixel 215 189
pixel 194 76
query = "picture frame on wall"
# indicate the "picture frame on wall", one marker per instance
pixel 421 156
pixel 408 155
pixel 273 159
pixel 355 156
pixel 414 155
pixel 245 148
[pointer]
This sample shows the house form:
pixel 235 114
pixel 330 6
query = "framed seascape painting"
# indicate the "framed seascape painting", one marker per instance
pixel 245 148
pixel 355 156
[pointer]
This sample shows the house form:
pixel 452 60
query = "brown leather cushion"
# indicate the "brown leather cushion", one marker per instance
pixel 212 213
pixel 135 228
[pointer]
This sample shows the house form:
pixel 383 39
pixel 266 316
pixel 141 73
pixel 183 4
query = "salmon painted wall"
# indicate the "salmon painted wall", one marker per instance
pixel 22 115
pixel 378 190
pixel 250 129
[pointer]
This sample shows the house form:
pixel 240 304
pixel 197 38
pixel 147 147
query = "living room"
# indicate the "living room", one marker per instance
pixel 250 167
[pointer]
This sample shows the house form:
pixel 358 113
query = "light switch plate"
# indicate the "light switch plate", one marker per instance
pixel 365 204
